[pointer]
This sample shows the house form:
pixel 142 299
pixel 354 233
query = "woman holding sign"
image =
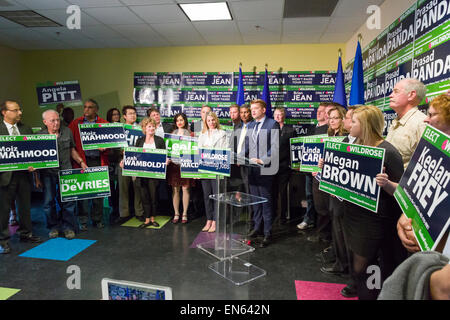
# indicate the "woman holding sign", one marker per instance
pixel 149 186
pixel 212 136
pixel 373 235
pixel 174 175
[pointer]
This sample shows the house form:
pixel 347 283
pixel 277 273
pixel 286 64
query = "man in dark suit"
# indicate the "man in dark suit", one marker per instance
pixel 281 179
pixel 262 147
pixel 15 184
pixel 235 181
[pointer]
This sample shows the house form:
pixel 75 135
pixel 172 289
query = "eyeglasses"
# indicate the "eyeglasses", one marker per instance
pixel 14 110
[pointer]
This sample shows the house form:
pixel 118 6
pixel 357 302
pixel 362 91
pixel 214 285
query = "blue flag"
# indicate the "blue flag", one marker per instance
pixel 339 89
pixel 240 91
pixel 266 96
pixel 357 89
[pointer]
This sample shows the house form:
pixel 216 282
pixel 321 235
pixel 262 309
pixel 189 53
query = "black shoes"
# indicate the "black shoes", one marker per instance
pixel 266 241
pixel 5 248
pixel 253 234
pixel 150 224
pixel 30 238
pixel 331 270
pixel 349 291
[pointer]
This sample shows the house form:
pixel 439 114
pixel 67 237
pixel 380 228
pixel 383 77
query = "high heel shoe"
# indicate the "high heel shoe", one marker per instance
pixel 176 218
pixel 212 228
pixel 184 220
pixel 206 227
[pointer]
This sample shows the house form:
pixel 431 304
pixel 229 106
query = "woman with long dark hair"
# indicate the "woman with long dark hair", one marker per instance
pixel 181 127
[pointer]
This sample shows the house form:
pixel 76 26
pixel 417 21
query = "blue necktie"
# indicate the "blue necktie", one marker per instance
pixel 255 132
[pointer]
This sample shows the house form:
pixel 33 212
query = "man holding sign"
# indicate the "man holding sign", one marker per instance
pixel 49 178
pixel 92 158
pixel 14 184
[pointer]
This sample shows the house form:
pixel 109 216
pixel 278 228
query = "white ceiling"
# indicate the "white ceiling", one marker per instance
pixel 150 23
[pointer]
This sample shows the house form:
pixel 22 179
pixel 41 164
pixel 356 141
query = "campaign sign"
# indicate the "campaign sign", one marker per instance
pixel 189 162
pixel 311 152
pixel 133 133
pixel 216 161
pixel 176 144
pixel 52 93
pixel 145 163
pixel 423 191
pixel 20 152
pixel 102 135
pixel 349 172
pixel 79 184
pixel 296 152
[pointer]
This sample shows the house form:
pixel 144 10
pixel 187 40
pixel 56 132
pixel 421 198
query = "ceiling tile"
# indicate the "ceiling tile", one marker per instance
pixel 227 39
pixel 259 27
pixel 83 43
pixel 261 39
pixel 113 15
pixel 151 42
pixel 216 27
pixel 338 25
pixel 100 32
pixel 160 13
pixel 174 30
pixel 340 37
pixel 135 31
pixel 260 9
pixel 44 4
pixel 145 2
pixel 352 8
pixel 301 37
pixel 303 25
pixel 12 5
pixel 61 16
pixel 96 3
pixel 118 43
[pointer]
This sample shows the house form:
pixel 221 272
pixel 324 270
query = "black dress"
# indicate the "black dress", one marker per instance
pixel 368 231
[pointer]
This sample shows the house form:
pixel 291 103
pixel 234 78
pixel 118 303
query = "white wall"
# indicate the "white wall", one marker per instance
pixel 390 11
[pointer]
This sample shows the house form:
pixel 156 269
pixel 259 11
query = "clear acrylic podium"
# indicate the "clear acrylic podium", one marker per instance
pixel 226 246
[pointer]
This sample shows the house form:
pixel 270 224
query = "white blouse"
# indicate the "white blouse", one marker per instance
pixel 214 138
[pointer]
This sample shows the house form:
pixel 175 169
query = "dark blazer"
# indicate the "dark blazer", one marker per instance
pixel 253 149
pixel 159 142
pixel 5 177
pixel 167 127
pixel 286 133
pixel 321 129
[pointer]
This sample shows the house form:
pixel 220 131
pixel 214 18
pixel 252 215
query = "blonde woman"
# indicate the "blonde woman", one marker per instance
pixel 373 236
pixel 212 136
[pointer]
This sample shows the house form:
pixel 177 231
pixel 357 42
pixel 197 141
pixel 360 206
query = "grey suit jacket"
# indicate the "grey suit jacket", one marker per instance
pixel 5 177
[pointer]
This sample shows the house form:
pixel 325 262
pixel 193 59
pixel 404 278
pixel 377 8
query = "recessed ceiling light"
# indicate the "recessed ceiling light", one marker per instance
pixel 206 11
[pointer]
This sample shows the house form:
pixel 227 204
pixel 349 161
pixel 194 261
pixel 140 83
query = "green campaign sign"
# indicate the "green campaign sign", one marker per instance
pixel 176 144
pixel 296 152
pixel 423 191
pixel 21 152
pixel 145 163
pixel 312 150
pixel 79 184
pixel 189 163
pixel 349 173
pixel 102 135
